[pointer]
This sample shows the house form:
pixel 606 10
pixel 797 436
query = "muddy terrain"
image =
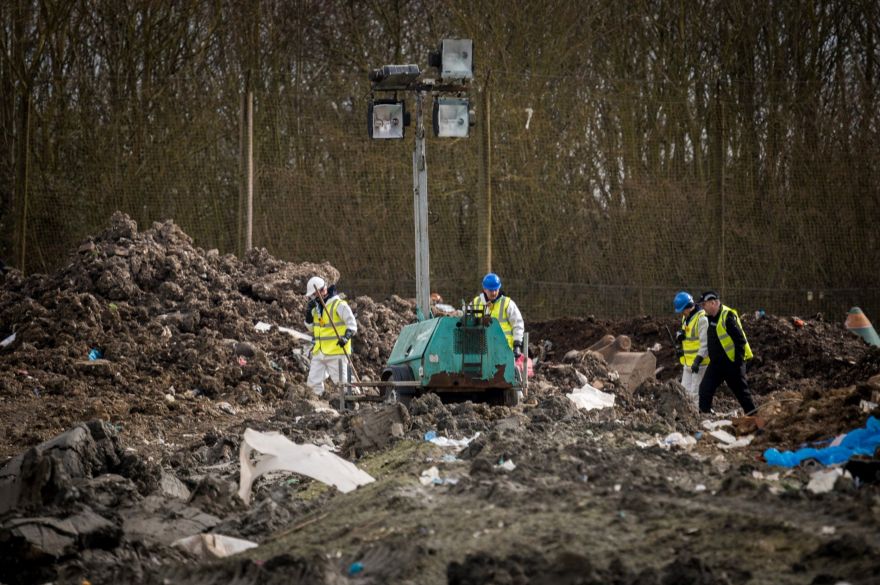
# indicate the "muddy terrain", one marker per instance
pixel 128 379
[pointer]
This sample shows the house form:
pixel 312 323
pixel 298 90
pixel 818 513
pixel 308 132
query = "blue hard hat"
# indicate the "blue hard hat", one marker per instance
pixel 491 281
pixel 682 301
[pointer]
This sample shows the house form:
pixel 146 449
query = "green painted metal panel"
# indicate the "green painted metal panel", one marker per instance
pixel 454 345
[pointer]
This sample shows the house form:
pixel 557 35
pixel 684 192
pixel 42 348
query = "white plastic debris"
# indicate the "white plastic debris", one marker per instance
pixel 447 442
pixel 431 476
pixel 823 480
pixel 588 398
pixel 677 440
pixel 8 341
pixel 508 465
pixel 711 425
pixel 213 546
pixel 728 441
pixel 280 453
pixel 264 327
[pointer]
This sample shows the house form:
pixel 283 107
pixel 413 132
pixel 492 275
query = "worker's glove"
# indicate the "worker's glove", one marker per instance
pixel 679 352
pixel 679 336
pixel 344 339
pixel 695 367
pixel 517 349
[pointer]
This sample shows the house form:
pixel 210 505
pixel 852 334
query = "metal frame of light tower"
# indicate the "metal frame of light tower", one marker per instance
pixel 405 78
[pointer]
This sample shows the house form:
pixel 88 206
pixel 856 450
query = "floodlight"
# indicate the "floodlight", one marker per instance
pixel 454 59
pixel 387 119
pixel 451 117
pixel 394 77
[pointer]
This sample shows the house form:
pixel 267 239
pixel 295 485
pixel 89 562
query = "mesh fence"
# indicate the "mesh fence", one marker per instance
pixel 599 200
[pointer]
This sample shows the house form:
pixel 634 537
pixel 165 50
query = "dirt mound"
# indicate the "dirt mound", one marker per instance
pixel 173 329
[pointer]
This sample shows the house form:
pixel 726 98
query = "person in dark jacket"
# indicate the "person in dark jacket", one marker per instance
pixel 728 352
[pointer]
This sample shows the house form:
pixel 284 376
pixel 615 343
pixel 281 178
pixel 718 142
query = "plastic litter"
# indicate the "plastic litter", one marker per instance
pixel 213 546
pixel 95 354
pixel 8 341
pixel 431 437
pixel 355 568
pixel 280 453
pixel 823 481
pixel 863 441
pixel 588 398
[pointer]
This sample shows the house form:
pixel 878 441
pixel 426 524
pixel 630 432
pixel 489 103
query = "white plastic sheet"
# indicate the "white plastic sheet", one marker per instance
pixel 213 546
pixel 588 398
pixel 280 453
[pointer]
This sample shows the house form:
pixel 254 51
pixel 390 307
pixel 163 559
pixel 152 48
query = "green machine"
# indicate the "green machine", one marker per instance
pixel 458 358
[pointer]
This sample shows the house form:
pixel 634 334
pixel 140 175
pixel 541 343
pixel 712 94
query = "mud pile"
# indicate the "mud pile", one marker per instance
pixel 134 371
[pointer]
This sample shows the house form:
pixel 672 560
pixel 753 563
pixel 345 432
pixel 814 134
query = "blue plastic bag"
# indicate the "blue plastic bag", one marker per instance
pixel 862 441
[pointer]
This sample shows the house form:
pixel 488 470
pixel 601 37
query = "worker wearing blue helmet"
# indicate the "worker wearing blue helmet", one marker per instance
pixel 492 301
pixel 693 337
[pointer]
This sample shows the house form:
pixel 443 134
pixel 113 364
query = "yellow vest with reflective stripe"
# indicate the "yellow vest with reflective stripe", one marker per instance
pixel 726 340
pixel 499 312
pixel 325 338
pixel 691 343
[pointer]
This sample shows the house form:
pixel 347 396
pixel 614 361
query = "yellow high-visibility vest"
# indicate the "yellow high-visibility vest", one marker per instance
pixel 499 312
pixel 725 339
pixel 325 337
pixel 691 343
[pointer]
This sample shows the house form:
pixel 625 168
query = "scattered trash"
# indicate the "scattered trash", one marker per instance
pixel 863 441
pixel 677 440
pixel 213 546
pixel 759 314
pixel 431 476
pixel 867 406
pixel 729 441
pixel 431 437
pixel 226 407
pixel 95 354
pixel 798 322
pixel 8 341
pixel 711 425
pixel 280 453
pixel 588 398
pixel 263 327
pixel 242 361
pixel 355 568
pixel 823 481
pixel 507 465
pixel 858 323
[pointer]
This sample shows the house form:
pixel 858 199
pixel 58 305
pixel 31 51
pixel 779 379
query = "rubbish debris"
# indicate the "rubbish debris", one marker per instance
pixel 823 481
pixel 431 476
pixel 729 441
pixel 213 546
pixel 858 323
pixel 863 441
pixel 8 341
pixel 588 398
pixel 95 354
pixel 431 437
pixel 280 453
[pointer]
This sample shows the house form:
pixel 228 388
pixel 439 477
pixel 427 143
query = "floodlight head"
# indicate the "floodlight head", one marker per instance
pixel 454 59
pixel 451 117
pixel 387 119
pixel 394 77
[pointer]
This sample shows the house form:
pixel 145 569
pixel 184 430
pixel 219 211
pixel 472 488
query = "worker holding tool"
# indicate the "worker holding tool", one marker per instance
pixel 332 325
pixel 692 337
pixel 493 302
pixel 728 352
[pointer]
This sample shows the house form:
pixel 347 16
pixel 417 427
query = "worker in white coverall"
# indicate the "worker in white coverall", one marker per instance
pixel 492 301
pixel 332 325
pixel 693 337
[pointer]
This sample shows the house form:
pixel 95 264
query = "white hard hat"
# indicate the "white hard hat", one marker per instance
pixel 315 284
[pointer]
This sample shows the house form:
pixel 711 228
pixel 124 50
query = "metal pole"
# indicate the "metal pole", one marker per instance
pixel 420 201
pixel 250 170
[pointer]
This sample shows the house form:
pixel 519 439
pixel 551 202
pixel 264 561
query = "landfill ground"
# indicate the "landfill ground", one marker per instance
pixel 144 443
